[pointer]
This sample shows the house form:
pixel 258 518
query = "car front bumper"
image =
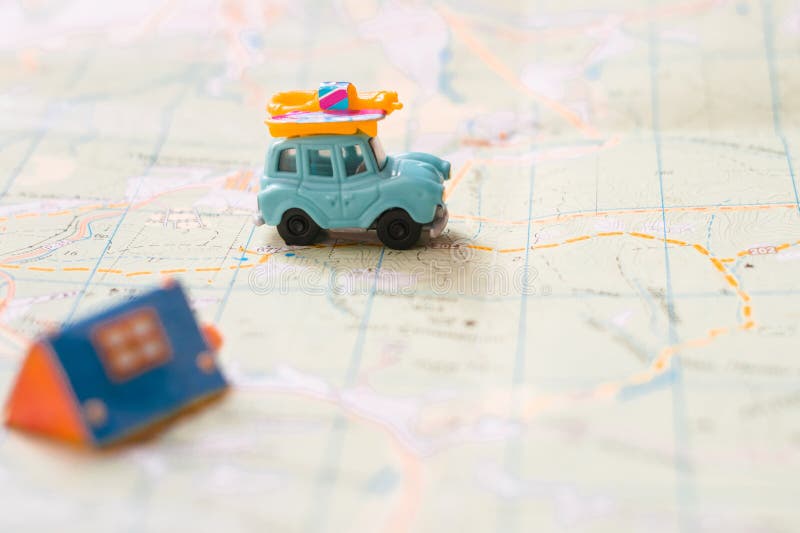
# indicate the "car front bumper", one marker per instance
pixel 439 221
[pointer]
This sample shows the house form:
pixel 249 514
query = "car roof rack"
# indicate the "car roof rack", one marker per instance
pixel 334 108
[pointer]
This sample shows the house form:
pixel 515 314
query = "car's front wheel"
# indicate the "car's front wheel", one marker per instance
pixel 297 228
pixel 396 229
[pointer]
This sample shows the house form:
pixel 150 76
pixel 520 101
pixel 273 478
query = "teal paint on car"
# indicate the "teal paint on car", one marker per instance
pixel 347 182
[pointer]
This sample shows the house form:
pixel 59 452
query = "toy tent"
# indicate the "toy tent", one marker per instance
pixel 117 373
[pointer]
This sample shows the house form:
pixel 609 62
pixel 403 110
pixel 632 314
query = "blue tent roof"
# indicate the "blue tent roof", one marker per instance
pixel 140 360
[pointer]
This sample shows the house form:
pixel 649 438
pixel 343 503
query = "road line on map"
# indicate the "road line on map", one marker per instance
pixel 53 109
pixel 10 290
pixel 461 30
pixel 226 297
pixel 489 220
pixel 718 263
pixel 352 413
pixel 662 359
pixel 167 118
pixel 452 184
pixel 17 338
pixel 620 212
pixel 577 239
pixel 77 234
pixel 605 390
pixel 775 94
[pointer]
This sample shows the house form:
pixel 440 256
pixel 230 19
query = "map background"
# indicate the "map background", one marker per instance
pixel 130 145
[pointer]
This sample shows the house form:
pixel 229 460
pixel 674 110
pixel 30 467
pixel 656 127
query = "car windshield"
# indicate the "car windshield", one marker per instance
pixel 377 149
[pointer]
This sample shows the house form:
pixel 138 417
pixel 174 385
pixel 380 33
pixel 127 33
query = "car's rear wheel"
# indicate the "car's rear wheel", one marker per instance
pixel 297 228
pixel 396 229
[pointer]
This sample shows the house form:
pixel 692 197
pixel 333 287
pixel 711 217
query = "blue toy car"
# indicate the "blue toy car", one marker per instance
pixel 347 182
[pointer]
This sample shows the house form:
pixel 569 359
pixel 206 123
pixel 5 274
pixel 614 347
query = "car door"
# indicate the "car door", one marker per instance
pixel 359 180
pixel 320 185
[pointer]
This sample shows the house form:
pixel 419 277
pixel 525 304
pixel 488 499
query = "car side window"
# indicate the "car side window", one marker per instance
pixel 353 157
pixel 320 162
pixel 287 160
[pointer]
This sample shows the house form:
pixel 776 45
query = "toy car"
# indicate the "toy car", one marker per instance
pixel 330 172
pixel 347 182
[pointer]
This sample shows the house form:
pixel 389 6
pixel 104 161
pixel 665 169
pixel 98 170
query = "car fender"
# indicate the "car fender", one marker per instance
pixel 422 212
pixel 416 194
pixel 440 165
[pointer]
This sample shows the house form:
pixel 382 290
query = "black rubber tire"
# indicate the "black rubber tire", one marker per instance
pixel 397 230
pixel 297 228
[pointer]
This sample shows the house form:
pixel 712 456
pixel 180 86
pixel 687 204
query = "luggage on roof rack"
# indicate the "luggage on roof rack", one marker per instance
pixel 334 108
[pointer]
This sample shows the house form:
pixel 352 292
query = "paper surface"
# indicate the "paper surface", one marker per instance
pixel 605 338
